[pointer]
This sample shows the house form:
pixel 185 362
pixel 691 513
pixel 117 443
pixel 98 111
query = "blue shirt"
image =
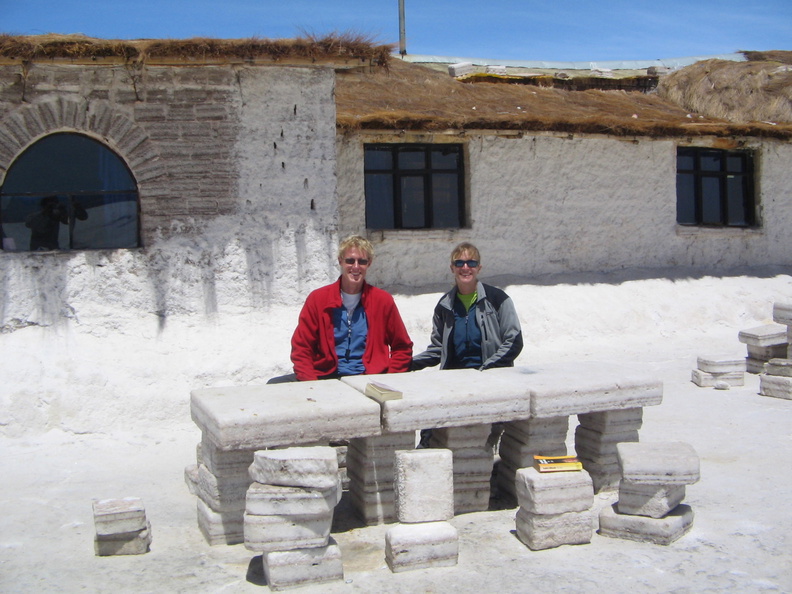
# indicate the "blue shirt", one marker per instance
pixel 466 338
pixel 350 339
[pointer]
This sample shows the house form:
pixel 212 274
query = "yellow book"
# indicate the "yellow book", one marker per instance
pixel 381 392
pixel 557 463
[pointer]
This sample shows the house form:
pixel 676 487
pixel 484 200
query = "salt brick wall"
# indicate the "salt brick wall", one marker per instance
pixel 236 172
pixel 549 204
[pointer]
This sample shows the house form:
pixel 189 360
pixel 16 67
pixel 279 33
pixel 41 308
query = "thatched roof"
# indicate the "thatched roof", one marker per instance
pixel 338 48
pixel 411 97
pixel 758 91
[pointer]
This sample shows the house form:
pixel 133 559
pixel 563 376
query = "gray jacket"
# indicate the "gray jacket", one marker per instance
pixel 501 336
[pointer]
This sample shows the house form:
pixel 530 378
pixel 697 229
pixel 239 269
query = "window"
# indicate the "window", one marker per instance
pixel 715 188
pixel 68 192
pixel 414 186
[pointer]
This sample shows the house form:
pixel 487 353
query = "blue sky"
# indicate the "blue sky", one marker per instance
pixel 557 30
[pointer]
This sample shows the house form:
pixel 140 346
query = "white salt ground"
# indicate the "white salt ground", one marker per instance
pixel 740 539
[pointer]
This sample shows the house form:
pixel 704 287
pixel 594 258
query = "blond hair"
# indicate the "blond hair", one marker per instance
pixel 463 247
pixel 359 242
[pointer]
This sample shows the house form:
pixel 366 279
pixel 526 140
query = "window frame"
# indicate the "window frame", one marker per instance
pixel 427 175
pixel 724 197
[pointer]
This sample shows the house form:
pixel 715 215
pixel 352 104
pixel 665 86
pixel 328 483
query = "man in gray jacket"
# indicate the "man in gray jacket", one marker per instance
pixel 475 325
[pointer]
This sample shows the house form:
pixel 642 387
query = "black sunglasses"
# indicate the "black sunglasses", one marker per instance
pixel 470 263
pixel 360 261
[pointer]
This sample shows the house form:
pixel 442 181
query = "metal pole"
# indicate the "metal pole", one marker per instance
pixel 402 41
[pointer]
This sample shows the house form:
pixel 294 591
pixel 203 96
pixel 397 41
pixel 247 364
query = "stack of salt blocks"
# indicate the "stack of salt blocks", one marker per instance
pixel 776 377
pixel 765 342
pixel 289 514
pixel 650 508
pixel 424 485
pixel 220 481
pixel 596 440
pixel 720 371
pixel 370 469
pixel 555 508
pixel 121 527
pixel 473 460
pixel 521 441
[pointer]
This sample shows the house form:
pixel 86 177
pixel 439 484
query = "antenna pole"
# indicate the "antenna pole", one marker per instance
pixel 402 41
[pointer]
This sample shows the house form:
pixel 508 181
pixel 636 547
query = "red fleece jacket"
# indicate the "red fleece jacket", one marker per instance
pixel 388 346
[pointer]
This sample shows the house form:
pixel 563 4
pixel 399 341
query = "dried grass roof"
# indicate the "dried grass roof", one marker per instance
pixel 734 91
pixel 411 97
pixel 332 47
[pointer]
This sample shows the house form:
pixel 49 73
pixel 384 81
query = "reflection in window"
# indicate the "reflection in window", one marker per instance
pixel 715 188
pixel 69 192
pixel 414 186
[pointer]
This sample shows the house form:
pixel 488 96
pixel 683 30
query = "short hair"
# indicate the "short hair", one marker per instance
pixel 356 241
pixel 463 247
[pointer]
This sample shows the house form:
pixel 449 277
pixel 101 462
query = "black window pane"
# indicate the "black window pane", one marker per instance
pixel 413 209
pixel 445 200
pixel 412 159
pixel 710 160
pixel 685 162
pixel 445 158
pixel 378 158
pixel 379 201
pixel 736 201
pixel 735 164
pixel 67 163
pixel 686 199
pixel 711 201
pixel 106 221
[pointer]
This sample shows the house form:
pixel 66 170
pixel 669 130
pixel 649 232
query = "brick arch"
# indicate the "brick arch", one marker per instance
pixel 97 118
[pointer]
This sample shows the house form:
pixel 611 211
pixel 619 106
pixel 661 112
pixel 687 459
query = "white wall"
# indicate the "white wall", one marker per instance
pixel 548 204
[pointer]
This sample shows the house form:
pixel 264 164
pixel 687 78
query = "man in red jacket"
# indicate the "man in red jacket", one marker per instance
pixel 350 327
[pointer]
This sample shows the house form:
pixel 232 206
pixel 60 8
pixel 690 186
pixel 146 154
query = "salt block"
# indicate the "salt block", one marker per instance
pixel 662 531
pixel 424 485
pixel 299 567
pixel 764 336
pixel 472 497
pixel 421 546
pixel 721 363
pixel 548 428
pixel 782 313
pixel 553 492
pixel 521 454
pixel 222 494
pixel 373 508
pixel 662 463
pixel 271 500
pixel 383 445
pixel 118 516
pixel 769 352
pixel 776 386
pixel 455 398
pixel 254 417
pixel 129 543
pixel 191 478
pixel 592 388
pixel 655 501
pixel 613 421
pixel 546 531
pixel 224 463
pixel 780 367
pixel 283 533
pixel 461 69
pixel 313 467
pixel 220 527
pixel 455 438
pixel 602 443
pixel 754 365
pixel 605 457
pixel 704 379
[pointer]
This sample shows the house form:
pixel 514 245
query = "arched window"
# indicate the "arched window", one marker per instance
pixel 69 192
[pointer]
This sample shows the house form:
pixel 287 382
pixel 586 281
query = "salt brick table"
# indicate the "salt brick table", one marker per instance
pixel 246 418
